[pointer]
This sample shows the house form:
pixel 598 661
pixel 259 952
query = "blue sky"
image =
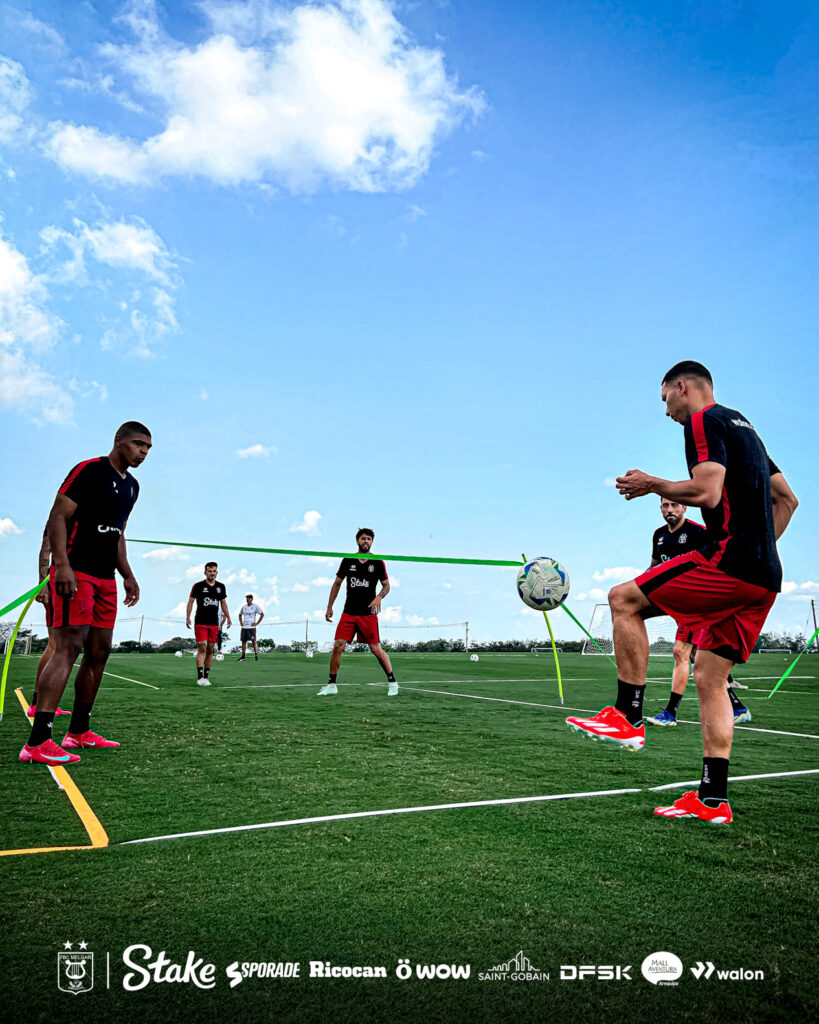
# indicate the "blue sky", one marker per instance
pixel 415 266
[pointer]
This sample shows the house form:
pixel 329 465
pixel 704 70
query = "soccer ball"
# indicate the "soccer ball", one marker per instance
pixel 220 657
pixel 543 584
pixel 308 653
pixel 473 657
pixel 177 654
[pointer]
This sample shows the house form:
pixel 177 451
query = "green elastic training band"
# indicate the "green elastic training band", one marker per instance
pixel 23 598
pixel 792 665
pixel 28 598
pixel 330 554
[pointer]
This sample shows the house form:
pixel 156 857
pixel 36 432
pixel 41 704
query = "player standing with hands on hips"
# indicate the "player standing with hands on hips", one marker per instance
pixel 360 615
pixel 724 591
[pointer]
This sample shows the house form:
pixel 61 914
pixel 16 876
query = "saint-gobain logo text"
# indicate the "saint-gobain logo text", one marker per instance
pixel 519 968
pixel 662 968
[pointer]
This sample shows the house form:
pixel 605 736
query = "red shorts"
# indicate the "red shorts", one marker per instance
pixel 366 626
pixel 685 634
pixel 206 634
pixel 725 614
pixel 94 603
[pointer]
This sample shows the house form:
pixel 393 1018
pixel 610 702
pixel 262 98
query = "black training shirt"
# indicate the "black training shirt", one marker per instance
pixel 741 537
pixel 208 597
pixel 104 500
pixel 689 536
pixel 361 578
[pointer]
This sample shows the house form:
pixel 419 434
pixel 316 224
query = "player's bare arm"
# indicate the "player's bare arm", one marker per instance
pixel 256 623
pixel 127 573
pixel 784 503
pixel 188 611
pixel 225 612
pixel 62 510
pixel 703 490
pixel 43 564
pixel 375 604
pixel 328 615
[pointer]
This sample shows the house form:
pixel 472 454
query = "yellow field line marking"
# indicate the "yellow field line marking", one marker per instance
pixel 91 823
pixel 129 680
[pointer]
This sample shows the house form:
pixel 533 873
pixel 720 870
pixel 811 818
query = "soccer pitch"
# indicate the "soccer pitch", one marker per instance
pixel 591 880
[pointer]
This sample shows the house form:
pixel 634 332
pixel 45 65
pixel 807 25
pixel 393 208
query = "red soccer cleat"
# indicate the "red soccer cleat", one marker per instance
pixel 33 708
pixel 87 739
pixel 47 752
pixel 612 726
pixel 689 805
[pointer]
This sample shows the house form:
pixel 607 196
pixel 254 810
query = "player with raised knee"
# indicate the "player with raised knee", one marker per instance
pixel 724 591
pixel 361 608
pixel 679 536
pixel 86 532
pixel 210 596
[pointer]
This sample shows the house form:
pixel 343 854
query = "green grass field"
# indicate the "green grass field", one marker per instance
pixel 591 881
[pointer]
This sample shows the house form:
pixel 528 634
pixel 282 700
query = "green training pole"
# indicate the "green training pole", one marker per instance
pixel 31 594
pixel 792 665
pixel 554 650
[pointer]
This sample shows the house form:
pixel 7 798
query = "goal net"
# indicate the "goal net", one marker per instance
pixel 22 645
pixel 662 632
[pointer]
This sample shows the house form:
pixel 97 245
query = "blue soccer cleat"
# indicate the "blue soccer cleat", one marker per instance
pixel 663 718
pixel 741 715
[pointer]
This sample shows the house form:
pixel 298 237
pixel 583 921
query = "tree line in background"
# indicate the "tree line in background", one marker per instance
pixel 791 642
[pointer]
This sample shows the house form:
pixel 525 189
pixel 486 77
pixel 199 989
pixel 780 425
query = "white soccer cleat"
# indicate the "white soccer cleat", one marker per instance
pixel 330 690
pixel 392 690
pixel 203 682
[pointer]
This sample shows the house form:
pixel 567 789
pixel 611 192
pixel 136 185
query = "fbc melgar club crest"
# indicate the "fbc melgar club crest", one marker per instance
pixel 75 970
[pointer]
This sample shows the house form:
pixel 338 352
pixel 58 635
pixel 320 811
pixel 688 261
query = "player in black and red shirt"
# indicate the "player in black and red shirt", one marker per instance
pixel 211 597
pixel 724 591
pixel 360 615
pixel 86 531
pixel 679 536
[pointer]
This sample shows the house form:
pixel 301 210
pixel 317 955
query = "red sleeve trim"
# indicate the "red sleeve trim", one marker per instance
pixel 72 476
pixel 700 439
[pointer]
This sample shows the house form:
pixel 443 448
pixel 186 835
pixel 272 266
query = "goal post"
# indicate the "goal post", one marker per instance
pixel 661 630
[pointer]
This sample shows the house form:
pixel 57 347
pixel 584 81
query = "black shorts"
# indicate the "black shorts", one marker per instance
pixel 248 634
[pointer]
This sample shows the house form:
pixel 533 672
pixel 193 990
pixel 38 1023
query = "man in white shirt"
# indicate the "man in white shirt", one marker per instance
pixel 248 621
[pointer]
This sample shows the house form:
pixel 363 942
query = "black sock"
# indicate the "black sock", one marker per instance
pixel 714 786
pixel 630 700
pixel 674 702
pixel 730 679
pixel 333 677
pixel 80 717
pixel 33 700
pixel 41 728
pixel 199 671
pixel 207 672
pixel 390 677
pixel 736 703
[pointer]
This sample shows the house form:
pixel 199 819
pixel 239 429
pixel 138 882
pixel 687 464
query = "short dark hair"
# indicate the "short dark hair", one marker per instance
pixel 209 564
pixel 367 530
pixel 688 368
pixel 131 427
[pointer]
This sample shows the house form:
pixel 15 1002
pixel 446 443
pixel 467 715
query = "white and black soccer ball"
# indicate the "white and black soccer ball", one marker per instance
pixel 543 584
pixel 220 657
pixel 473 657
pixel 177 654
pixel 308 653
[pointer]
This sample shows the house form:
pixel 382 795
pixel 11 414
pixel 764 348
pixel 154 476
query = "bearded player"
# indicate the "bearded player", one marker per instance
pixel 360 615
pixel 210 596
pixel 723 591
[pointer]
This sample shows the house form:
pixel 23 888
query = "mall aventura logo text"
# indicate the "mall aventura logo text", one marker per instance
pixel 519 968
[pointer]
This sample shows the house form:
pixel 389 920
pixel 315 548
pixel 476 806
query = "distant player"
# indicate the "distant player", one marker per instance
pixel 250 615
pixel 678 537
pixel 360 615
pixel 723 591
pixel 209 595
pixel 86 533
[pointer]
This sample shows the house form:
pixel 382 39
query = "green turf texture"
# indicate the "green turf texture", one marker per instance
pixel 593 881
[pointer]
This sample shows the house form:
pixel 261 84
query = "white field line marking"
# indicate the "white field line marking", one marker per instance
pixel 561 707
pixel 129 680
pixel 738 778
pixel 448 807
pixel 54 776
pixel 378 814
pixel 282 686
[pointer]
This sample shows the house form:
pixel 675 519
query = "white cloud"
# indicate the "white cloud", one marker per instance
pixel 8 527
pixel 610 481
pixel 16 94
pixel 24 320
pixel 415 212
pixel 615 573
pixel 167 554
pixel 26 387
pixel 255 451
pixel 432 620
pixel 392 614
pixel 298 588
pixel 47 32
pixel 792 589
pixel 195 572
pixel 204 395
pixel 309 524
pixel 88 389
pixel 322 581
pixel 178 612
pixel 596 594
pixel 414 620
pixel 242 577
pixel 332 93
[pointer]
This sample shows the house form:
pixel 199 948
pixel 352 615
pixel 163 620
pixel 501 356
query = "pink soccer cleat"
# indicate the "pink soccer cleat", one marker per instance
pixel 47 752
pixel 689 805
pixel 87 739
pixel 612 726
pixel 33 708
